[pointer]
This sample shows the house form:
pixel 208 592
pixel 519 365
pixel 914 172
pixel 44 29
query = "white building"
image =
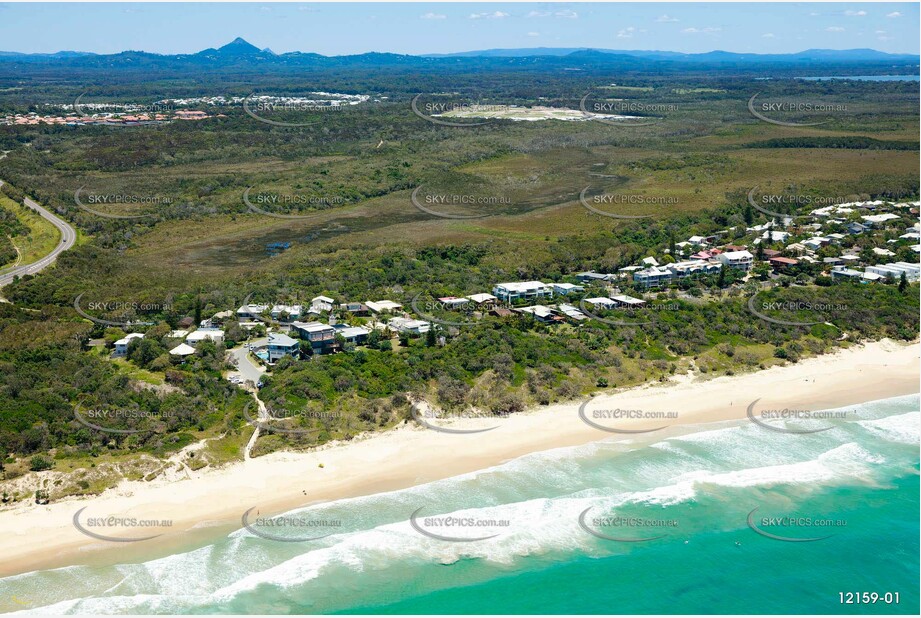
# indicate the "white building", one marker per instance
pixel 121 346
pixel 212 334
pixel 566 288
pixel 895 270
pixel 522 290
pixel 383 306
pixel 737 259
pixel 412 327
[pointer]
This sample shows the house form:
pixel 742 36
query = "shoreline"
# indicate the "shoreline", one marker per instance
pixel 37 537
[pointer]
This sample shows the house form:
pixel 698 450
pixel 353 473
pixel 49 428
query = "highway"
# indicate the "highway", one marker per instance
pixel 68 238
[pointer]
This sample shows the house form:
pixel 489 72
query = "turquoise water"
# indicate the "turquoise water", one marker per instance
pixel 690 492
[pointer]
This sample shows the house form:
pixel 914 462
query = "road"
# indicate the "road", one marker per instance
pixel 245 367
pixel 68 237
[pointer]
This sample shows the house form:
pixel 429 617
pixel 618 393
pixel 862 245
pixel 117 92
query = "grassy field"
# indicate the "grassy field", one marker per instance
pixel 42 238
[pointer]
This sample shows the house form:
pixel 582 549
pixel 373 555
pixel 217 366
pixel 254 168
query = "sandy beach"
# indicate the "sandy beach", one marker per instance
pixel 45 536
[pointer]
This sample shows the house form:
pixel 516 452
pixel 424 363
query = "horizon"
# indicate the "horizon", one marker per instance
pixel 451 28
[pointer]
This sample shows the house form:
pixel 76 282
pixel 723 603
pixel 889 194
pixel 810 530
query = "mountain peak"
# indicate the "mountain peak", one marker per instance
pixel 239 46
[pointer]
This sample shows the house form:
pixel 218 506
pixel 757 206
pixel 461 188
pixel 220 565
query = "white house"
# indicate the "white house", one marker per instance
pixel 602 303
pixel 182 350
pixel 383 306
pixel 321 304
pixel 213 334
pixel 522 290
pixel 572 312
pixel 413 327
pixel 566 288
pixel 482 298
pixel 287 313
pixel 251 311
pixel 737 259
pixel 874 220
pixel 895 270
pixel 281 345
pixel 121 346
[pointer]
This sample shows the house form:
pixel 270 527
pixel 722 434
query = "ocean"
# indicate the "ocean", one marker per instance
pixel 719 518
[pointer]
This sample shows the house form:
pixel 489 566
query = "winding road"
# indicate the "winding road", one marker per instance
pixel 68 238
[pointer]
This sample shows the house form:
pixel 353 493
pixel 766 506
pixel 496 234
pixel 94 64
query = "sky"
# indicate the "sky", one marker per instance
pixel 431 27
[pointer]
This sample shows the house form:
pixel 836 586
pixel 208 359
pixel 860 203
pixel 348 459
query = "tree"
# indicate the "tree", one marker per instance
pixel 39 464
pixel 431 339
pixel 903 282
pixel 721 280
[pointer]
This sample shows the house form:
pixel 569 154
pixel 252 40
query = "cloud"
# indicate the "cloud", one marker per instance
pixel 666 19
pixel 493 15
pixel 433 16
pixel 893 14
pixel 834 29
pixel 855 13
pixel 626 33
pixel 563 13
pixel 767 35
pixel 707 30
pixel 534 34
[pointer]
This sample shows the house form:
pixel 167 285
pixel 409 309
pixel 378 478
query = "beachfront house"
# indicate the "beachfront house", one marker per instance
pixel 281 345
pixel 541 313
pixel 251 311
pixel 121 346
pixel 522 290
pixel 409 327
pixel 286 313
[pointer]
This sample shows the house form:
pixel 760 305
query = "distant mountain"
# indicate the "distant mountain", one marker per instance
pixel 846 55
pixel 240 56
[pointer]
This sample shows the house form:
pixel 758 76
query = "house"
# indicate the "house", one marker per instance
pixel 352 334
pixel 691 268
pixel 451 302
pixel 649 261
pixel 542 313
pixel 843 272
pixel 286 313
pixel 601 303
pixel 566 288
pixel 357 309
pixel 622 300
pixel 178 334
pixel 251 311
pixel 895 270
pixel 737 259
pixel 212 334
pixel 591 275
pixel 121 346
pixel 782 263
pixel 522 290
pixel 883 252
pixel 770 253
pixel 383 306
pixel 182 350
pixel 772 236
pixel 652 277
pixel 411 327
pixel 500 312
pixel 320 304
pixel 699 240
pixel 796 248
pixel 186 322
pixel 281 345
pixel 222 316
pixel 876 220
pixel 857 228
pixel 572 312
pixel 321 337
pixel 483 299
